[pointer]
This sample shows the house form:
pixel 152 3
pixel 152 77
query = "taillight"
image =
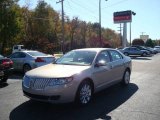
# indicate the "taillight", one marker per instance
pixel 39 60
pixel 11 62
pixel 7 62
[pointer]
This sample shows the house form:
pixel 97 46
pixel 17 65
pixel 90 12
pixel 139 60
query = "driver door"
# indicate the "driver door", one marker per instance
pixel 102 73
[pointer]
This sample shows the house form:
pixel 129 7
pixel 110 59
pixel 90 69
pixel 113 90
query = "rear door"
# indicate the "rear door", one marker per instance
pixel 18 59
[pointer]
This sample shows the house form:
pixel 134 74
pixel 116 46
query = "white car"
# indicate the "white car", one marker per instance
pixel 157 48
pixel 29 59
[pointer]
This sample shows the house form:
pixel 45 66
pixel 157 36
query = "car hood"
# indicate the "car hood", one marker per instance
pixel 56 70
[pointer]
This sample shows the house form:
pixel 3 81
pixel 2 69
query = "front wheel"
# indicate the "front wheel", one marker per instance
pixel 126 78
pixel 26 68
pixel 84 93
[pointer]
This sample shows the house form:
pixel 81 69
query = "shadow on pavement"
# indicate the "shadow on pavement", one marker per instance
pixel 140 58
pixel 2 85
pixel 102 104
pixel 16 75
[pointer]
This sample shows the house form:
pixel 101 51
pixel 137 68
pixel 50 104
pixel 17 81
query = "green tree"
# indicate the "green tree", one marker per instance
pixel 149 43
pixel 9 23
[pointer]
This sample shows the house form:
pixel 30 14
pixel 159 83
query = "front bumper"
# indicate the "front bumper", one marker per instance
pixel 53 94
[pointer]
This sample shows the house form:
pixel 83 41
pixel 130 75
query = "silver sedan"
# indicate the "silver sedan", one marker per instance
pixel 77 75
pixel 27 60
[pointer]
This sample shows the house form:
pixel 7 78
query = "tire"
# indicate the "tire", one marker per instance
pixel 26 68
pixel 84 93
pixel 4 79
pixel 144 54
pixel 126 78
pixel 126 54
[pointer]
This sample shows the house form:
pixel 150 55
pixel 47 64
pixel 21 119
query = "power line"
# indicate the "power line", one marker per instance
pixel 90 11
pixel 119 2
pixel 69 5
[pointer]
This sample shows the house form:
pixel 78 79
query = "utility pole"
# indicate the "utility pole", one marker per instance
pixel 100 30
pixel 124 43
pixel 132 13
pixel 130 34
pixel 120 30
pixel 62 41
pixel 142 33
pixel 100 34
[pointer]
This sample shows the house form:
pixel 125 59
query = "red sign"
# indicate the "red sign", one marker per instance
pixel 121 17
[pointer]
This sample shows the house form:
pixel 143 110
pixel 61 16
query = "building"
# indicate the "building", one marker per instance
pixel 144 37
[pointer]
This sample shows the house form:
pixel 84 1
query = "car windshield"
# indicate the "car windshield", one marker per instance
pixel 36 53
pixel 77 58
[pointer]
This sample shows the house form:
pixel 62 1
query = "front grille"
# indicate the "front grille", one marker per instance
pixel 40 83
pixel 42 97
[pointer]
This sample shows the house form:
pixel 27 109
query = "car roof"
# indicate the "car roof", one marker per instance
pixel 93 49
pixel 25 51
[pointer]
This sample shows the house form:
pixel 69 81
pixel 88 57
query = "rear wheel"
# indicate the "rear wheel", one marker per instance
pixel 26 68
pixel 126 54
pixel 144 54
pixel 84 93
pixel 4 79
pixel 126 78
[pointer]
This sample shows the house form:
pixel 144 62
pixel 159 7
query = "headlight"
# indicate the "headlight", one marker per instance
pixel 26 81
pixel 60 81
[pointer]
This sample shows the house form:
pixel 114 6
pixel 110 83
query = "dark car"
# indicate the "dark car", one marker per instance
pixel 143 48
pixel 135 51
pixel 5 68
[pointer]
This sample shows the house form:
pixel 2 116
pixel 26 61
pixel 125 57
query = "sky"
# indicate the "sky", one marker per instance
pixel 146 21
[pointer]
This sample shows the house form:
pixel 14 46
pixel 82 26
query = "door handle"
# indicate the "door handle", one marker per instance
pixel 111 66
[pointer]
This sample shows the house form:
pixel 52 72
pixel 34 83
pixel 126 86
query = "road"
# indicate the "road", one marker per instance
pixel 139 101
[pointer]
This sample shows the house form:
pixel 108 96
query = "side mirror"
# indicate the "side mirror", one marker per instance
pixel 100 63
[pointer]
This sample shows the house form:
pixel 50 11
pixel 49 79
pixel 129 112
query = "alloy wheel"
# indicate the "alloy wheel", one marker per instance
pixel 127 77
pixel 85 93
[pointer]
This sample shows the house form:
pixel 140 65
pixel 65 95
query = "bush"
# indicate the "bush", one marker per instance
pixel 138 42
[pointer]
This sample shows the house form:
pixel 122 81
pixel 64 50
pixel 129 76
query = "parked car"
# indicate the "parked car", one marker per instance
pixel 5 68
pixel 77 75
pixel 157 48
pixel 27 60
pixel 135 51
pixel 17 48
pixel 152 50
pixel 57 56
pixel 143 48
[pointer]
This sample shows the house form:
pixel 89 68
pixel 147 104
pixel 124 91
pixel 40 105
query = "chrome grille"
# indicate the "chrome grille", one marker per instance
pixel 40 83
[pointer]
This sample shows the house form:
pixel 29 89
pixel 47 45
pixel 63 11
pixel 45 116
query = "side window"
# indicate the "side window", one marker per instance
pixel 15 55
pixel 135 49
pixel 103 57
pixel 115 55
pixel 18 55
pixel 131 49
pixel 22 55
pixel 16 47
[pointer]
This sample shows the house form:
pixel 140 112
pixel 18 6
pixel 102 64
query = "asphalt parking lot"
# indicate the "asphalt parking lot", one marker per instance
pixel 139 101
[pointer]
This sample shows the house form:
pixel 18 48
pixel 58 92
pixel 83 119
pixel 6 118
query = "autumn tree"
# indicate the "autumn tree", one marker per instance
pixel 40 29
pixel 138 42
